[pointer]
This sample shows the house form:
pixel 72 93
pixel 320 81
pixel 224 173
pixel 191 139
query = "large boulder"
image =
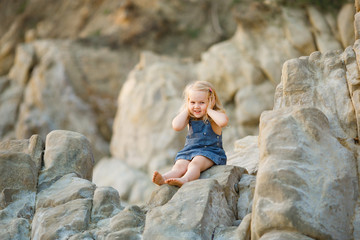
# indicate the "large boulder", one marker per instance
pixel 307 178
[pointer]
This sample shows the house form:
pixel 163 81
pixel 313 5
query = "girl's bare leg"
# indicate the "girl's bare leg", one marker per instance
pixel 196 166
pixel 178 170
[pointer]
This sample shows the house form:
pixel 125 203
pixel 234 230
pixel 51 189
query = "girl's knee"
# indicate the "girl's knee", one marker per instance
pixel 202 162
pixel 181 165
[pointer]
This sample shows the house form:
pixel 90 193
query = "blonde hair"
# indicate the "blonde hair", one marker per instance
pixel 203 86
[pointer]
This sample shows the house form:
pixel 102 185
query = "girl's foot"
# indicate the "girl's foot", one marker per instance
pixel 158 178
pixel 176 181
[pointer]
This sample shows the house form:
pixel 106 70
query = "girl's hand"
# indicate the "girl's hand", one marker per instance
pixel 211 103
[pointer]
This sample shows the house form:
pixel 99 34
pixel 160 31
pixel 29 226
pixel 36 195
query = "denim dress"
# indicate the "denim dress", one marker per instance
pixel 202 140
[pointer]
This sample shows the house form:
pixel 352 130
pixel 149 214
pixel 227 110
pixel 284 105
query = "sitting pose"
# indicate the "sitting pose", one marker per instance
pixel 204 115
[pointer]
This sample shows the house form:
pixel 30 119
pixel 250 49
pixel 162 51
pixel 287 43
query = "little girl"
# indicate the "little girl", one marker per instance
pixel 204 115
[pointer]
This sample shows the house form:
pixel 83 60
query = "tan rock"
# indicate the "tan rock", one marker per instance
pixel 242 232
pixel 148 101
pixel 19 228
pixel 227 177
pixel 66 152
pixel 66 189
pixel 324 38
pixel 163 222
pixel 307 179
pixel 18 171
pixel 106 203
pixel 61 221
pixel 246 154
pixel 318 81
pixel 296 22
pixel 133 185
pixel 357 26
pixel 131 217
pixel 284 235
pixel 345 22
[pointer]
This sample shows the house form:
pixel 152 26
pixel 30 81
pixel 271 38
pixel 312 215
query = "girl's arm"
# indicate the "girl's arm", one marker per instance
pixel 219 118
pixel 181 120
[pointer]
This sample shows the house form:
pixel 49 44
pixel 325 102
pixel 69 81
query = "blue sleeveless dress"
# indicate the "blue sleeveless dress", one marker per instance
pixel 202 140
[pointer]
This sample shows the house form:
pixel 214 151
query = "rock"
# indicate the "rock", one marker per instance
pixel 324 38
pixel 132 217
pixel 106 203
pixel 152 92
pixel 284 235
pixel 241 232
pixel 59 90
pixel 250 102
pixel 345 20
pixel 20 165
pixel 65 152
pixel 11 95
pixel 350 56
pixel 317 203
pixel 162 195
pixel 133 185
pixel 66 189
pixel 246 188
pixel 227 177
pixel 18 228
pixel 295 22
pixel 246 154
pixel 205 196
pixel 20 162
pixel 357 26
pixel 62 221
pixel 318 81
pixel 126 234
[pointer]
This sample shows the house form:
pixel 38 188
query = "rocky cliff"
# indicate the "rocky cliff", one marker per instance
pixel 294 177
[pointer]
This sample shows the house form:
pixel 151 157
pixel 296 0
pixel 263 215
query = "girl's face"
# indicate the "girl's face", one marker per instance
pixel 197 103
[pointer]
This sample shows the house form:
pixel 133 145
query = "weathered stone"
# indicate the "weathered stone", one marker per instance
pixel 324 38
pixel 357 26
pixel 132 217
pixel 25 61
pixel 250 102
pixel 295 22
pixel 356 221
pixel 227 176
pixel 162 195
pixel 246 194
pixel 33 146
pixel 319 81
pixel 66 189
pixel 82 236
pixel 345 20
pixel 284 235
pixel 66 152
pixel 106 203
pixel 17 228
pixel 64 92
pixel 126 234
pixel 152 92
pixel 18 171
pixel 177 218
pixel 132 184
pixel 246 154
pixel 318 203
pixel 62 221
pixel 351 58
pixel 10 96
pixel 241 232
